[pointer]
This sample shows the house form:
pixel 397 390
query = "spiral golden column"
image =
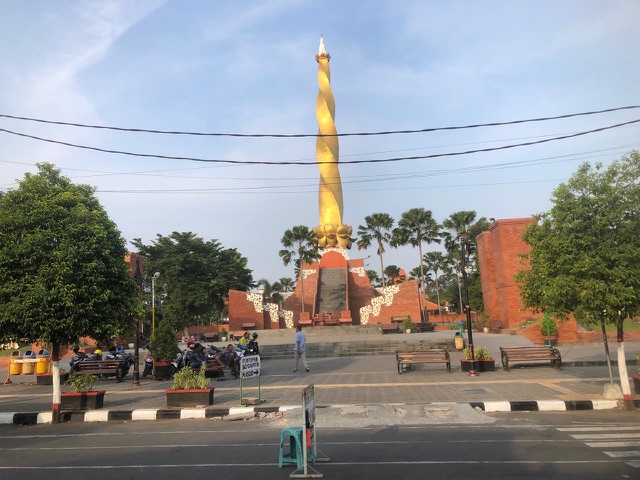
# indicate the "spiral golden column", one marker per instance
pixel 331 232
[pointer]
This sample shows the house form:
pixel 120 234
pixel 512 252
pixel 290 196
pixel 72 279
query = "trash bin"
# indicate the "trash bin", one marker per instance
pixel 460 327
pixel 28 367
pixel 44 361
pixel 15 368
pixel 459 341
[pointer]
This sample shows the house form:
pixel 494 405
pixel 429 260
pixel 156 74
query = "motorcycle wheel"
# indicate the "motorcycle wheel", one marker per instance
pixel 147 370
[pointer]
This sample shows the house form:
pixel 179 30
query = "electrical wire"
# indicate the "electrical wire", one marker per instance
pixel 346 162
pixel 306 135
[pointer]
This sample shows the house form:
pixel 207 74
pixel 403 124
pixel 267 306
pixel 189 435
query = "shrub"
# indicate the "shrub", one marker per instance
pixel 81 383
pixel 480 353
pixel 163 344
pixel 407 324
pixel 188 379
pixel 548 327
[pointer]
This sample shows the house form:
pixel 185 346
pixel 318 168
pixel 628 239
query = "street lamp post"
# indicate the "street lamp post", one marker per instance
pixel 136 353
pixel 466 270
pixel 153 302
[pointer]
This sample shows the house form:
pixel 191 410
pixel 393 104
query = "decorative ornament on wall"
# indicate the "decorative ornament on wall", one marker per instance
pixel 360 271
pixel 374 308
pixel 308 272
pixel 288 318
pixel 342 251
pixel 273 309
pixel 256 299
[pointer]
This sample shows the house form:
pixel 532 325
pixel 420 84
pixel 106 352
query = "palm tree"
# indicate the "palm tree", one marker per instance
pixel 463 227
pixel 373 277
pixel 436 262
pixel 393 273
pixel 300 244
pixel 270 291
pixel 378 226
pixel 414 227
pixel 287 284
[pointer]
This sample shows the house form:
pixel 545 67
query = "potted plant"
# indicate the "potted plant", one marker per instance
pixel 81 395
pixel 549 330
pixel 408 325
pixel 223 334
pixel 483 362
pixel 164 348
pixel 190 389
pixel 636 378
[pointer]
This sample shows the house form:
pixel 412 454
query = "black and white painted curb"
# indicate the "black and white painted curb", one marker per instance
pixel 21 418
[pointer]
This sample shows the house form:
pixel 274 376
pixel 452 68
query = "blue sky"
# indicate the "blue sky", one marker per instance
pixel 249 67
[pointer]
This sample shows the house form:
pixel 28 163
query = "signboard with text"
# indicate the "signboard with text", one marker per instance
pixel 250 366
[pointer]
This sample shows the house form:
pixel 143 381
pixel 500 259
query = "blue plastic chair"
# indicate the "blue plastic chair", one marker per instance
pixel 295 447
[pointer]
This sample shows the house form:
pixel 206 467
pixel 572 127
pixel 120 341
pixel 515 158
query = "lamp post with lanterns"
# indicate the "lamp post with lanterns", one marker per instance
pixel 465 270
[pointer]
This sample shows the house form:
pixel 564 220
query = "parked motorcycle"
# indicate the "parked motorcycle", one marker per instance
pixel 120 354
pixel 148 365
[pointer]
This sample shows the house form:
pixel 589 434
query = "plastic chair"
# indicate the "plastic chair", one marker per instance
pixel 295 447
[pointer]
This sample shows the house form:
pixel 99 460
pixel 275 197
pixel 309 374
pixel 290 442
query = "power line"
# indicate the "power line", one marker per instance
pixel 306 135
pixel 346 162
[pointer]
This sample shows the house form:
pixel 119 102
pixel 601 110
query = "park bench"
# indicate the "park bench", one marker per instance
pixel 528 355
pixel 248 325
pixel 305 323
pixel 422 357
pixel 425 326
pixel 389 328
pixel 331 319
pixel 399 319
pixel 102 368
pixel 212 370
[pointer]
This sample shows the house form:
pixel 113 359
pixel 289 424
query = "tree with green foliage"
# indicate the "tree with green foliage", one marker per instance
pixel 373 278
pixel 415 227
pixel 63 273
pixel 585 251
pixel 287 284
pixel 436 263
pixel 300 246
pixel 271 292
pixel 196 276
pixel 393 274
pixel 461 230
pixel 378 227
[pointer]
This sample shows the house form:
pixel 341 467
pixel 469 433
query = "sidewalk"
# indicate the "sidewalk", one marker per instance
pixel 359 380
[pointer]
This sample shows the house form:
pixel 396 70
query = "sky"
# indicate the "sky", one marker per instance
pixel 249 67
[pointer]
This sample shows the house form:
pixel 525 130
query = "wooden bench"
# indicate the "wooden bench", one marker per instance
pixel 248 325
pixel 102 368
pixel 212 370
pixel 305 323
pixel 389 328
pixel 425 326
pixel 421 357
pixel 527 355
pixel 399 319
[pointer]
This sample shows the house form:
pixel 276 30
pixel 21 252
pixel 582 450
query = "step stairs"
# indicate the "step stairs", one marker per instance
pixel 332 290
pixel 353 349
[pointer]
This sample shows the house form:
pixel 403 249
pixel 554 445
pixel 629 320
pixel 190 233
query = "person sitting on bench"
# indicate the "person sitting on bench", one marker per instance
pixel 228 356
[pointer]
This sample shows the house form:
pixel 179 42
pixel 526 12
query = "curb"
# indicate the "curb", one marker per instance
pixel 34 418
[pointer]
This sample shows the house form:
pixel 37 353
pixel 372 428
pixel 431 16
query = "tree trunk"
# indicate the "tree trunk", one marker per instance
pixel 384 283
pixel 57 397
pixel 622 367
pixel 301 279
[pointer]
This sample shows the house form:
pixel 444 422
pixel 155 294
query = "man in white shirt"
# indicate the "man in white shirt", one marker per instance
pixel 299 349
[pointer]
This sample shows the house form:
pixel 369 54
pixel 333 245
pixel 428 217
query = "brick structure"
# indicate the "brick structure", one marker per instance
pixel 365 304
pixel 498 258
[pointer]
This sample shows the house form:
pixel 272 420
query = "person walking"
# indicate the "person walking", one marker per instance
pixel 300 349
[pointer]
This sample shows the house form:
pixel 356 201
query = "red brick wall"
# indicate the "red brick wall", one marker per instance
pixel 360 290
pixel 242 311
pixel 498 251
pixel 405 303
pixel 294 302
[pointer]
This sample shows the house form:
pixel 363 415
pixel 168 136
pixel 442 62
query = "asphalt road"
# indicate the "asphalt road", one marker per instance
pixel 570 445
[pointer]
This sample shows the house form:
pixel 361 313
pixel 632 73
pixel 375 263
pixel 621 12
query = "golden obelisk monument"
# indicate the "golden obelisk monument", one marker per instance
pixel 331 232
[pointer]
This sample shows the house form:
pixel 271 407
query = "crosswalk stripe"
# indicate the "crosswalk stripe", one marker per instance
pixel 634 464
pixel 623 453
pixel 603 436
pixel 598 429
pixel 612 444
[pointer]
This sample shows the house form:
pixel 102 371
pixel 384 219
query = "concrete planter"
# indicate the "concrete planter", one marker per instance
pixel 636 382
pixel 190 398
pixel 488 365
pixel 162 370
pixel 82 400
